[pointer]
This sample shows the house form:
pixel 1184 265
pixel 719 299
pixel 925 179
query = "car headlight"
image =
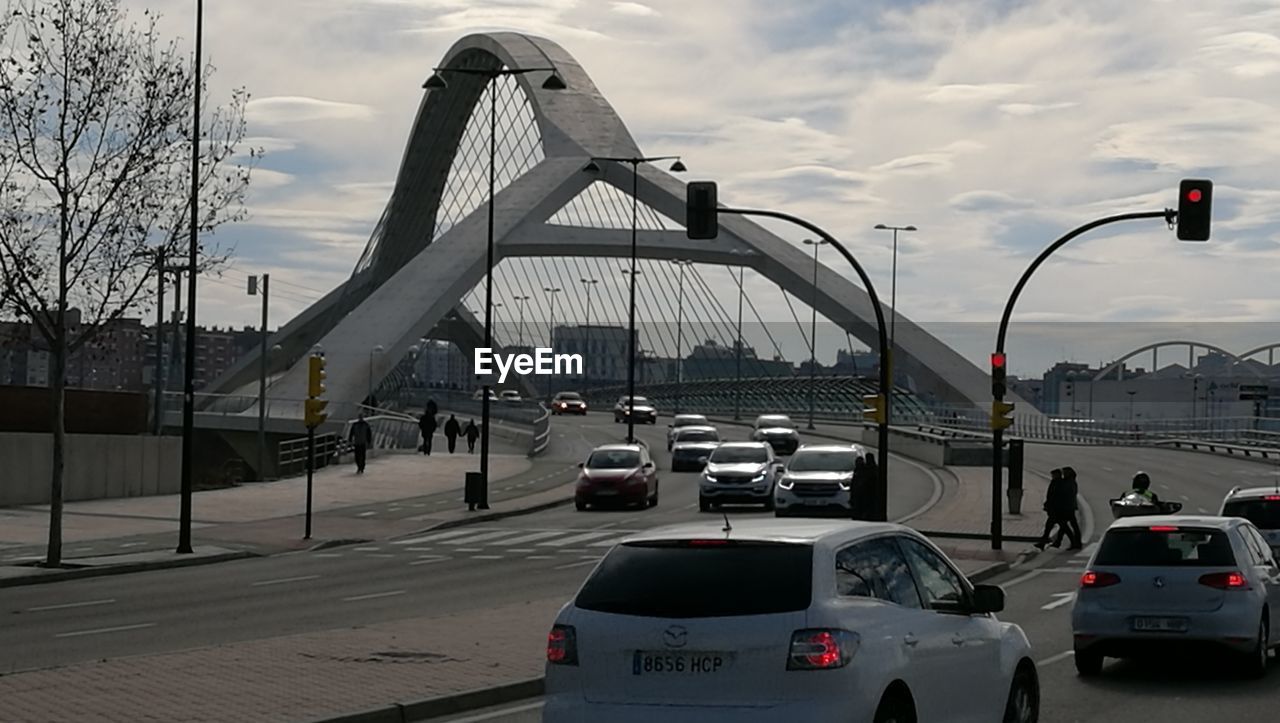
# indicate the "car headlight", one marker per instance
pixel 786 483
pixel 758 478
pixel 846 483
pixel 708 477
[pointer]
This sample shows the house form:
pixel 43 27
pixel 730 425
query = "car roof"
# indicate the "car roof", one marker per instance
pixel 815 531
pixel 1252 492
pixel 773 416
pixel 698 428
pixel 831 448
pixel 755 445
pixel 618 446
pixel 568 394
pixel 679 417
pixel 1212 522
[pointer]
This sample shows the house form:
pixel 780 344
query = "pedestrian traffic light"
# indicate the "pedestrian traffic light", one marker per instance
pixel 1001 415
pixel 998 375
pixel 873 408
pixel 1195 200
pixel 314 412
pixel 702 219
pixel 315 376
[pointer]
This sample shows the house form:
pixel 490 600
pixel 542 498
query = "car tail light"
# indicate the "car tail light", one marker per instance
pixel 821 649
pixel 562 645
pixel 1092 579
pixel 1163 528
pixel 708 543
pixel 1272 498
pixel 1224 580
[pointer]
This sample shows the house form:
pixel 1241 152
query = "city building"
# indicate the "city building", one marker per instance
pixel 605 351
pixel 441 365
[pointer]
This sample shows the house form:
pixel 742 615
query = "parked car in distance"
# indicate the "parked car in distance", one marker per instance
pixel 568 403
pixel 818 480
pixel 617 474
pixel 638 408
pixel 684 420
pixel 692 447
pixel 1178 582
pixel 778 430
pixel 785 621
pixel 511 395
pixel 479 394
pixel 739 472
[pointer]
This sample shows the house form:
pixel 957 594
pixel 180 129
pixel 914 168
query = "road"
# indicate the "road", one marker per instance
pixel 523 558
pixel 1170 691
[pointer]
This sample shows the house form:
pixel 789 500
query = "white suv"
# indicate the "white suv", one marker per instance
pixel 1178 581
pixel 777 621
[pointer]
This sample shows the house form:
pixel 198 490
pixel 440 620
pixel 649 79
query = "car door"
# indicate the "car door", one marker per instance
pixel 1267 569
pixel 968 645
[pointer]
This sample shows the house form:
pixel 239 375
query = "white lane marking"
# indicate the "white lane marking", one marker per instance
pixel 1184 498
pixel 420 549
pixel 484 537
pixel 580 563
pixel 521 550
pixel 1021 578
pixel 429 560
pixel 1056 658
pixel 437 536
pixel 83 549
pixel 373 595
pixel 370 513
pixel 1108 469
pixel 499 713
pixel 283 580
pixel 539 557
pixel 574 539
pixel 100 631
pixel 529 537
pixel 131 544
pixel 467 549
pixel 64 606
pixel 328 554
pixel 609 542
pixel 380 554
pixel 366 549
pixel 1061 598
pixel 486 557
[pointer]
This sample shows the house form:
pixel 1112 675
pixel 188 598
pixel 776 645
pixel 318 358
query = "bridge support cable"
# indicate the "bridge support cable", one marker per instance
pixel 705 299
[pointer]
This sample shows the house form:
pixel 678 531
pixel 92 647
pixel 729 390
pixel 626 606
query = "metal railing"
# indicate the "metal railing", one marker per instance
pixel 292 454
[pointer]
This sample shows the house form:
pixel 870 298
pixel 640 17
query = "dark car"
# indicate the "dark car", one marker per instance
pixel 637 408
pixel 568 403
pixel 692 446
pixel 778 431
pixel 617 474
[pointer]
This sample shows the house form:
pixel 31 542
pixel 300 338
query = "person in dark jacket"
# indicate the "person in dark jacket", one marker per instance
pixel 860 489
pixel 451 431
pixel 1052 506
pixel 361 439
pixel 427 424
pixel 472 433
pixel 1070 491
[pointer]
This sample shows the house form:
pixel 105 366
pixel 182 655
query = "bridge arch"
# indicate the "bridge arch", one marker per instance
pixel 1102 374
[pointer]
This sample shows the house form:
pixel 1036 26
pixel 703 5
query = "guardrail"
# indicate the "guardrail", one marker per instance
pixel 1221 448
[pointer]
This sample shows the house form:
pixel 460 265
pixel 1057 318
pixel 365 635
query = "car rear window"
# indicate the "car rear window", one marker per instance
pixel 783 422
pixel 1264 514
pixel 568 397
pixel 1177 547
pixel 692 580
pixel 698 435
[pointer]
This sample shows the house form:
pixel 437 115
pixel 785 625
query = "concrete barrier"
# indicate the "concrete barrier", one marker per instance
pixel 98 466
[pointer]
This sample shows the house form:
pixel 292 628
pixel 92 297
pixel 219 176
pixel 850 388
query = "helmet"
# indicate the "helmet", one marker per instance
pixel 1141 481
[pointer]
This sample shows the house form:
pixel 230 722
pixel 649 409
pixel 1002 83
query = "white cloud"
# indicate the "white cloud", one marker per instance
pixel 636 9
pixel 970 93
pixel 1029 109
pixel 296 109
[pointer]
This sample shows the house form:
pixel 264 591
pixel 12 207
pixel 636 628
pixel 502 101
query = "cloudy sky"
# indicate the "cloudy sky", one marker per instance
pixel 992 125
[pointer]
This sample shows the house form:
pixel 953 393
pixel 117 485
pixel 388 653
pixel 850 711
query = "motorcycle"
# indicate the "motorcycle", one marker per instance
pixel 1132 504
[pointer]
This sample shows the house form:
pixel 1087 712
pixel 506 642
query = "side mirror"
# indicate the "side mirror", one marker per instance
pixel 581 465
pixel 648 465
pixel 987 599
pixel 703 460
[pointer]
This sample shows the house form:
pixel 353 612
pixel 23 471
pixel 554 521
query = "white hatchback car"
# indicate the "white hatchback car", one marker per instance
pixel 1259 505
pixel 856 622
pixel 1177 582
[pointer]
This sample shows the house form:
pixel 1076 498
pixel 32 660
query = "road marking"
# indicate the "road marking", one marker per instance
pixel 483 537
pixel 64 606
pixel 499 713
pixel 100 631
pixel 529 537
pixel 539 557
pixel 1184 498
pixel 1107 469
pixel 436 536
pixel 283 580
pixel 467 549
pixel 1056 658
pixel 380 554
pixel 1088 550
pixel 579 563
pixel 521 550
pixel 367 514
pixel 366 549
pixel 1022 578
pixel 131 544
pixel 486 557
pixel 328 554
pixel 373 595
pixel 420 549
pixel 1062 598
pixel 574 539
pixel 429 560
pixel 609 542
pixel 1202 510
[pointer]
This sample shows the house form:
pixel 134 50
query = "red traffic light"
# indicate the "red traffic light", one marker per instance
pixel 997 360
pixel 1194 195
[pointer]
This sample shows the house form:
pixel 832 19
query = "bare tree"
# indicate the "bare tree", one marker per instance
pixel 95 167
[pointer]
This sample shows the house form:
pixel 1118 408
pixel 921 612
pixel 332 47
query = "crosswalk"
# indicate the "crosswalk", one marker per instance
pixel 530 539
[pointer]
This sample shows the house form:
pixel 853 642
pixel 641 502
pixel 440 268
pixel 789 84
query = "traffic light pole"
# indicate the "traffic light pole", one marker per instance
pixel 311 467
pixel 880 511
pixel 997 393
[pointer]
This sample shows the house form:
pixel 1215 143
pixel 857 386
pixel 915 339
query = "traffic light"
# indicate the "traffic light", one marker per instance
pixel 314 414
pixel 1001 414
pixel 315 376
pixel 873 408
pixel 997 375
pixel 1195 200
pixel 702 219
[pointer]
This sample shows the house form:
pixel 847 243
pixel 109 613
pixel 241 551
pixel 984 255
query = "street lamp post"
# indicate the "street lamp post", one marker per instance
pixel 437 82
pixel 1131 392
pixel 737 368
pixel 262 371
pixel 586 335
pixel 893 307
pixel 682 263
pixel 634 161
pixel 551 327
pixel 813 327
pixel 521 301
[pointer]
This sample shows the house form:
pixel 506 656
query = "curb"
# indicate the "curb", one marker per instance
pixel 988 571
pixel 491 516
pixel 83 572
pixel 444 705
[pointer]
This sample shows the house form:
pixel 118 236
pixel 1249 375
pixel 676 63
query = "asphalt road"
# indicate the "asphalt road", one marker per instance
pixel 522 558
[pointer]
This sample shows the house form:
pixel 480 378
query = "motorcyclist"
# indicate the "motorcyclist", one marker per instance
pixel 1142 488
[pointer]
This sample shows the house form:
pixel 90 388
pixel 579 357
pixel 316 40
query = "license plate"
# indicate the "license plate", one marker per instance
pixel 646 662
pixel 815 503
pixel 605 493
pixel 1160 625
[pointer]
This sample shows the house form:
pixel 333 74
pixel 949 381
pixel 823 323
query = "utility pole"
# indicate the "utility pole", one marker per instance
pixel 158 382
pixel 262 373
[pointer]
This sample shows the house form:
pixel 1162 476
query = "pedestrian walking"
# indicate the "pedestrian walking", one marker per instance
pixel 1070 505
pixel 451 431
pixel 1060 509
pixel 472 433
pixel 361 438
pixel 432 410
pixel 1052 507
pixel 861 487
pixel 427 425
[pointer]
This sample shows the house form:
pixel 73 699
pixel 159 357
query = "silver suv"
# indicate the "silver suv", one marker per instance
pixel 819 479
pixel 739 472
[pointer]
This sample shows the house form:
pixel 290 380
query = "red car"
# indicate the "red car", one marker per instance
pixel 617 474
pixel 568 403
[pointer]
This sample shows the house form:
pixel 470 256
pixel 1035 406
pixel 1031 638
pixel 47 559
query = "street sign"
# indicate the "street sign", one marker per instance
pixel 1254 391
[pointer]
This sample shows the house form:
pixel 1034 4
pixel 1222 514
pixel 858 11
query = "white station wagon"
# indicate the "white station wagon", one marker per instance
pixel 785 621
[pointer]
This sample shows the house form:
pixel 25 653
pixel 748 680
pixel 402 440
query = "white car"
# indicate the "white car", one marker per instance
pixel 1259 505
pixel 1178 581
pixel 684 420
pixel 819 479
pixel 798 621
pixel 511 395
pixel 739 472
